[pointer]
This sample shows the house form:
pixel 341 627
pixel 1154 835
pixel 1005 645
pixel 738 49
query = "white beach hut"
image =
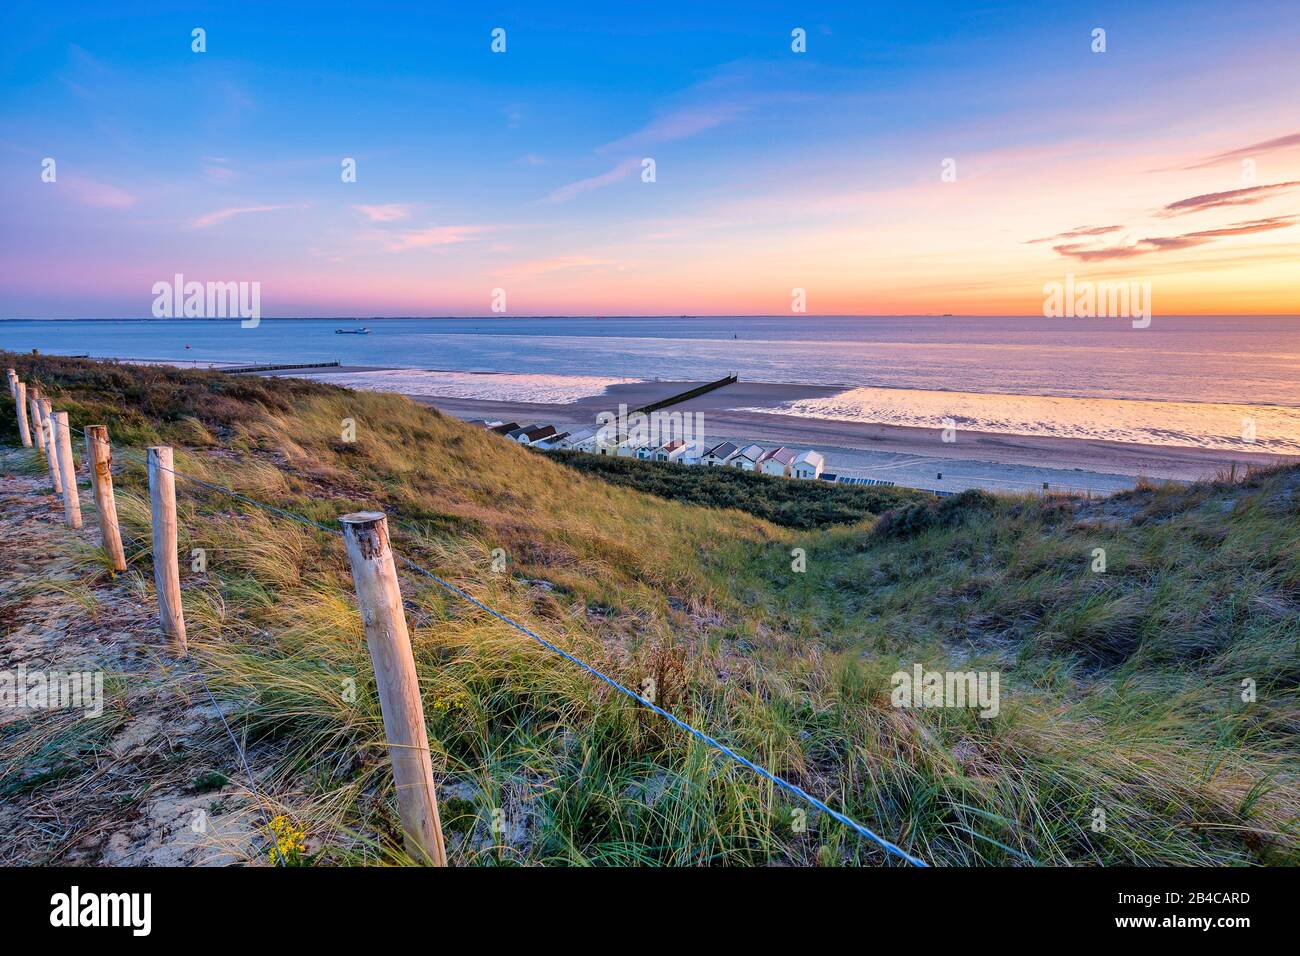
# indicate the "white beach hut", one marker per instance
pixel 530 436
pixel 584 439
pixel 747 458
pixel 777 462
pixel 555 441
pixel 692 453
pixel 718 455
pixel 809 464
pixel 673 451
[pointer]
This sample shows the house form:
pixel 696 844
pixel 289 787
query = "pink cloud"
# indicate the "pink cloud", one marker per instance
pixel 1078 232
pixel 221 215
pixel 99 194
pixel 1187 240
pixel 679 124
pixel 424 238
pixel 617 174
pixel 1232 197
pixel 1288 141
pixel 538 267
pixel 387 212
pixel 219 174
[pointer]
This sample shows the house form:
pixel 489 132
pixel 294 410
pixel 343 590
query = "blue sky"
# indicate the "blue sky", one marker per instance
pixel 522 170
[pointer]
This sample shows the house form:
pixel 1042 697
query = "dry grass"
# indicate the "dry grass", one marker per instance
pixel 1120 691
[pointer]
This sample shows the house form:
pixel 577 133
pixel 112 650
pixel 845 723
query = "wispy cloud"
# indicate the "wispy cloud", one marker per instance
pixel 387 212
pixel 425 238
pixel 617 174
pixel 1232 197
pixel 538 267
pixel 679 124
pixel 713 103
pixel 1254 149
pixel 234 101
pixel 218 169
pixel 221 215
pixel 1243 228
pixel 1078 232
pixel 99 194
pixel 219 174
pixel 1083 252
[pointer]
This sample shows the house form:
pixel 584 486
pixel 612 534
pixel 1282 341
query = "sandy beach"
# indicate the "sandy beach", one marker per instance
pixel 905 455
pixel 916 457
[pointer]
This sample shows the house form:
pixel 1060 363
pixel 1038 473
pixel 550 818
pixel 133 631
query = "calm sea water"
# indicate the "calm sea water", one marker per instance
pixel 1243 365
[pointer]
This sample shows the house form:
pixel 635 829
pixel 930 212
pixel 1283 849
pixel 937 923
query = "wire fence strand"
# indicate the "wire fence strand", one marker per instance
pixel 700 735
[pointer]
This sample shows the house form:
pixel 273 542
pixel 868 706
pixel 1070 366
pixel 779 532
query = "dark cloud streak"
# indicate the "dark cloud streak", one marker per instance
pixel 1085 253
pixel 1078 232
pixel 1267 146
pixel 1231 197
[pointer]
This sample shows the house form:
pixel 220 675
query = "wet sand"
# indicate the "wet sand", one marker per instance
pixel 916 457
pixel 904 455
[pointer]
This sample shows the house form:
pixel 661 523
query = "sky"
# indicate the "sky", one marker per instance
pixel 911 159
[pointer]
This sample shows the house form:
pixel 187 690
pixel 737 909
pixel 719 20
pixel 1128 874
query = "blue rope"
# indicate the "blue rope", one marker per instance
pixel 698 734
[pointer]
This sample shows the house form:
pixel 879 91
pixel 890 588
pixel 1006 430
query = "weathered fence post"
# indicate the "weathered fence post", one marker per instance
pixel 380 600
pixel 51 447
pixel 12 376
pixel 20 406
pixel 166 566
pixel 101 482
pixel 38 423
pixel 88 453
pixel 67 470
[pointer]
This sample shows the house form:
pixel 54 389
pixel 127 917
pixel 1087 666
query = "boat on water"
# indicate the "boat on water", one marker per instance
pixel 361 331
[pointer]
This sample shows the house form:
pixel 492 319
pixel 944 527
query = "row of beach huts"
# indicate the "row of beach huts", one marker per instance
pixel 781 461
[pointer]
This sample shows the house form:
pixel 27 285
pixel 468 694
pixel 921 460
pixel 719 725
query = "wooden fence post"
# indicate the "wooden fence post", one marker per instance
pixel 166 567
pixel 20 406
pixel 38 423
pixel 100 457
pixel 51 448
pixel 380 599
pixel 12 376
pixel 88 453
pixel 67 470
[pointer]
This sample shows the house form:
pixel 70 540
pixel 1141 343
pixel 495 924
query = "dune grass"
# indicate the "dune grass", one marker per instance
pixel 791 504
pixel 1121 689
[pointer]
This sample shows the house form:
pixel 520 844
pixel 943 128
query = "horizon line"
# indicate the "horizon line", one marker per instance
pixel 641 315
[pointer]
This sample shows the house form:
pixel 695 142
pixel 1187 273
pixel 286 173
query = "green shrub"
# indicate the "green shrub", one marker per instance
pixel 784 501
pixel 919 516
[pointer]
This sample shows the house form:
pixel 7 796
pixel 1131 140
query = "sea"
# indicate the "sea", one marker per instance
pixel 1230 382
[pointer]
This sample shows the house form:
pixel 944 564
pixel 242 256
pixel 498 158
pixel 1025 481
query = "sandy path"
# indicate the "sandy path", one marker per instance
pixel 118 788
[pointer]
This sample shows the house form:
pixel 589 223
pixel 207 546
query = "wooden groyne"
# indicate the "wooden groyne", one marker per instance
pixel 685 396
pixel 277 368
